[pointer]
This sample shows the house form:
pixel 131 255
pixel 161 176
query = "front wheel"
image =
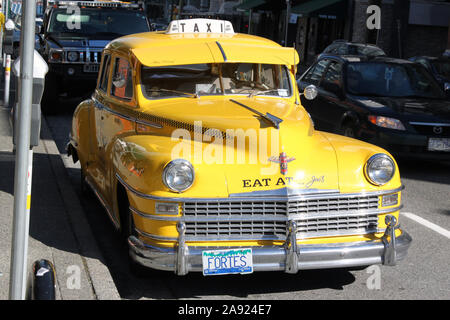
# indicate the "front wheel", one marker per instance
pixel 348 129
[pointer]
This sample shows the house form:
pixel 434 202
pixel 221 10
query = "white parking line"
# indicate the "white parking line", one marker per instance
pixel 427 224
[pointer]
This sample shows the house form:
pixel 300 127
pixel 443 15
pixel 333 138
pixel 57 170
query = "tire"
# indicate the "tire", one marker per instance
pixel 127 229
pixel 85 189
pixel 348 129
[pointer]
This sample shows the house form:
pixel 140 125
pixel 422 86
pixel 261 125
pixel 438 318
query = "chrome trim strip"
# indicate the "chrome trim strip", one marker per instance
pixel 100 105
pixel 154 237
pixel 286 191
pixel 148 123
pixel 431 124
pixel 236 218
pixel 252 198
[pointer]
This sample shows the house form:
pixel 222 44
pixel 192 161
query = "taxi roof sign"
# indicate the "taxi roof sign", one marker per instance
pixel 200 26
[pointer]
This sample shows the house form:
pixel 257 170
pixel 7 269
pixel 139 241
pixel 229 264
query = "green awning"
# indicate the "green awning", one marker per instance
pixel 250 4
pixel 328 9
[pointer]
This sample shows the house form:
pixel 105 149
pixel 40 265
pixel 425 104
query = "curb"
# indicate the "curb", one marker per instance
pixel 99 275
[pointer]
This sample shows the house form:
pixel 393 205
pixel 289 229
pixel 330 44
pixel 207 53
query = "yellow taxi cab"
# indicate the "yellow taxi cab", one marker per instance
pixel 196 144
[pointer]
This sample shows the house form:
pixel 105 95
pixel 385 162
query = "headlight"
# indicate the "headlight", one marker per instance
pixel 178 175
pixel 55 55
pixel 380 169
pixel 386 122
pixel 72 56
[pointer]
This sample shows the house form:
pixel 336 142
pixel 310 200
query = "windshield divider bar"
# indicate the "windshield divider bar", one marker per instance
pixel 221 50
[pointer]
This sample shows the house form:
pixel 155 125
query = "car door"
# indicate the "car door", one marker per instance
pixel 313 77
pixel 117 120
pixel 330 104
pixel 96 168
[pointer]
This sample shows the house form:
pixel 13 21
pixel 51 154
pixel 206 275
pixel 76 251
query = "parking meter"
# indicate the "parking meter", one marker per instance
pixel 40 69
pixel 8 37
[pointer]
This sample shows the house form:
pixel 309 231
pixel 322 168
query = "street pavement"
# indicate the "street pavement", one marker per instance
pixel 59 231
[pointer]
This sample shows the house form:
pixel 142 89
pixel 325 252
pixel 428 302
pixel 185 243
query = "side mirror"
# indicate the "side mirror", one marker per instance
pixel 310 92
pixel 37 29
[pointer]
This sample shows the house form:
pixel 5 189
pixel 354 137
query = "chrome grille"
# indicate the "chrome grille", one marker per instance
pixel 264 219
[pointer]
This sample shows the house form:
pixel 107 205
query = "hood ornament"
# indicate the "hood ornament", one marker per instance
pixel 283 160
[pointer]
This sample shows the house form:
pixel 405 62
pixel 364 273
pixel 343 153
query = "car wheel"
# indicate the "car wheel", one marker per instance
pixel 85 189
pixel 127 229
pixel 348 129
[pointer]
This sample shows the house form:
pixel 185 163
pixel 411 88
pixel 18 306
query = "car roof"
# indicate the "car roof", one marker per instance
pixel 358 58
pixel 339 41
pixel 161 48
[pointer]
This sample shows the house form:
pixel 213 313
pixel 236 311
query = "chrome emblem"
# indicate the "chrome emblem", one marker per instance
pixel 283 160
pixel 437 129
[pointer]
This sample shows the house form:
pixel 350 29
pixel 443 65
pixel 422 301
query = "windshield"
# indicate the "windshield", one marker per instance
pixel 215 79
pixel 91 22
pixel 390 80
pixel 442 67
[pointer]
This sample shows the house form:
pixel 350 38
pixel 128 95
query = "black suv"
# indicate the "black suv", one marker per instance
pixel 393 103
pixel 344 47
pixel 72 38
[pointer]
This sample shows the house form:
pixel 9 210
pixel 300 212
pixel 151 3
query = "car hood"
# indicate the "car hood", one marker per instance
pixel 409 107
pixel 66 42
pixel 255 146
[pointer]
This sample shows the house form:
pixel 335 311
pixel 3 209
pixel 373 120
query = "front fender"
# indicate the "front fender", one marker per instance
pixel 140 161
pixel 352 155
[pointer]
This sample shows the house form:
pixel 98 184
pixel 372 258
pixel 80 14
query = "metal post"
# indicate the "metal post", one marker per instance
pixel 250 21
pixel 288 10
pixel 22 174
pixel 7 80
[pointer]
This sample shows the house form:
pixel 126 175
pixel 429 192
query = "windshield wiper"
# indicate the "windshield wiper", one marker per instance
pixel 275 121
pixel 256 92
pixel 193 95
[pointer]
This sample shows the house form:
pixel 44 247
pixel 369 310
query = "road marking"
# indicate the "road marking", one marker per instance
pixel 427 224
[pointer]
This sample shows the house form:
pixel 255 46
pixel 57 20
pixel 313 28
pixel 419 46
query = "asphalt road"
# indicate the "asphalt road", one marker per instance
pixel 424 274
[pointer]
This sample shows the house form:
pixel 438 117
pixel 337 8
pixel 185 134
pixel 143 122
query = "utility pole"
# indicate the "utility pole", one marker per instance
pixel 288 11
pixel 24 157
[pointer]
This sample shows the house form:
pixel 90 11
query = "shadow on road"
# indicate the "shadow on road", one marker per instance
pixel 425 170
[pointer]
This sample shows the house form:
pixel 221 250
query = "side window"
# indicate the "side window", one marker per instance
pixel 423 62
pixel 342 49
pixel 122 82
pixel 315 74
pixel 333 74
pixel 103 85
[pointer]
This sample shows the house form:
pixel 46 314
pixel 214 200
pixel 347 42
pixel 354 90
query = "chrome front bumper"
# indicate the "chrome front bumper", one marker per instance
pixel 290 258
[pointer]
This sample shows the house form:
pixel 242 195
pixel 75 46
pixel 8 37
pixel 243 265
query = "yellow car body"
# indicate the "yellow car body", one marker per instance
pixel 299 198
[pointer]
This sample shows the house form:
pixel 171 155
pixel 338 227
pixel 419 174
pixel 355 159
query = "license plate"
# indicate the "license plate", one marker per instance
pixel 217 262
pixel 439 144
pixel 90 67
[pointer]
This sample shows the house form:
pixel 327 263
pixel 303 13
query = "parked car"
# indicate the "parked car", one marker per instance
pixel 344 47
pixel 196 144
pixel 390 102
pixel 439 68
pixel 71 40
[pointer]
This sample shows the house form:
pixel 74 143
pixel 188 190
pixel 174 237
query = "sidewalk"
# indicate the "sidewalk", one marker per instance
pixel 59 231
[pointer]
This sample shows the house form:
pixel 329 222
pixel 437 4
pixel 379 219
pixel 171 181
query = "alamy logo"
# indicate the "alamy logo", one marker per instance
pixel 374 20
pixel 73 21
